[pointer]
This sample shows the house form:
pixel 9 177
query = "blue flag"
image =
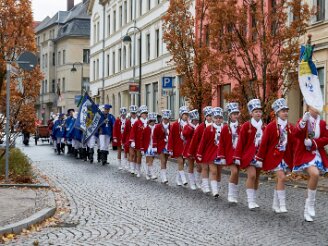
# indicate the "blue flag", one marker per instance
pixel 89 118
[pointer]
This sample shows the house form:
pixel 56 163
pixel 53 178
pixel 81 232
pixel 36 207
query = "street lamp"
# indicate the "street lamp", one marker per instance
pixel 73 69
pixel 127 40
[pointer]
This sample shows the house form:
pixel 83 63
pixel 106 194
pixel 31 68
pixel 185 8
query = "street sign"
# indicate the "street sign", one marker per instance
pixel 167 82
pixel 133 88
pixel 27 61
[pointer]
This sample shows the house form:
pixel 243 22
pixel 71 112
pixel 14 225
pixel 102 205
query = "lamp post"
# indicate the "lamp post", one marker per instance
pixel 127 40
pixel 73 69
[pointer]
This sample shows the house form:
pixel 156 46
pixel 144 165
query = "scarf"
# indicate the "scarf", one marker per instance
pixel 133 120
pixel 217 133
pixel 233 127
pixel 259 131
pixel 283 136
pixel 122 125
pixel 144 121
pixel 193 126
pixel 208 123
pixel 166 132
pixel 182 124
pixel 151 135
pixel 314 127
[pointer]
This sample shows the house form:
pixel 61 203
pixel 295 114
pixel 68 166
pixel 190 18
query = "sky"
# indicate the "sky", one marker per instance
pixel 43 8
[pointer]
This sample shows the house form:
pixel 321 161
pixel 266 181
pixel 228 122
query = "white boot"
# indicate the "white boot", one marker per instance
pixel 307 216
pixel 138 170
pixel 275 204
pixel 236 193
pixel 214 187
pixel 120 167
pixel 282 201
pixel 250 198
pixel 232 193
pixel 132 167
pixel 311 201
pixel 178 179
pixel 205 186
pixel 183 177
pixel 198 180
pixel 255 198
pixel 192 181
pixel 147 172
pixel 151 173
pixel 126 165
pixel 163 176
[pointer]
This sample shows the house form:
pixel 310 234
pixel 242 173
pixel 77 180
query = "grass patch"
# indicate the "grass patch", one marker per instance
pixel 20 169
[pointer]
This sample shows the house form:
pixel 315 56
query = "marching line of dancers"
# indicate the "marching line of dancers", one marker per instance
pixel 208 146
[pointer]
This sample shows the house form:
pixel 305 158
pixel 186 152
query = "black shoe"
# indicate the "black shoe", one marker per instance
pixel 58 149
pixel 62 148
pixel 104 157
pixel 98 155
pixel 85 154
pixel 91 152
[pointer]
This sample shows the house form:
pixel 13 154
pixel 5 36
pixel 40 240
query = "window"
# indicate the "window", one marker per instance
pixel 58 87
pixel 86 56
pixel 155 97
pixel 131 9
pixel 274 21
pixel 114 20
pixel 86 84
pixel 320 9
pixel 125 12
pixel 120 16
pixel 98 31
pixel 64 56
pixel 113 62
pixel 148 4
pixel 107 64
pixel 321 76
pixel 53 59
pixel 207 35
pixel 224 90
pixel 157 42
pixel 148 94
pixel 63 85
pixel 53 86
pixel 94 33
pixel 108 23
pixel 94 70
pixel 148 47
pixel 98 69
pixel 46 86
pixel 140 7
pixel 119 59
pixel 139 48
pixel 130 54
pixel 253 22
pixel 124 57
pixel 46 60
pixel 59 57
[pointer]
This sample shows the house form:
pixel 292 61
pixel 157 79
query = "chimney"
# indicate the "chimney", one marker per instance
pixel 70 4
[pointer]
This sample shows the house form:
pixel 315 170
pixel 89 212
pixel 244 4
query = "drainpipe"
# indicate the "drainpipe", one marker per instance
pixel 103 55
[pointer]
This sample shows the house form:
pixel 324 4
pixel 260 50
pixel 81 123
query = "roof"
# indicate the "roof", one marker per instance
pixel 79 11
pixel 76 27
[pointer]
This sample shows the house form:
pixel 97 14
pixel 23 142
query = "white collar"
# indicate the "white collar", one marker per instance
pixel 208 123
pixel 217 126
pixel 165 125
pixel 282 123
pixel 257 124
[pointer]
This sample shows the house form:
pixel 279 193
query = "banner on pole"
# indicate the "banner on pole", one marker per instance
pixel 89 118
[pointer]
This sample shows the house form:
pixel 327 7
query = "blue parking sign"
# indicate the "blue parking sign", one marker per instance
pixel 167 82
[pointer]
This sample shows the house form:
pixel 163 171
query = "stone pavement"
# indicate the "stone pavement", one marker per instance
pixel 111 207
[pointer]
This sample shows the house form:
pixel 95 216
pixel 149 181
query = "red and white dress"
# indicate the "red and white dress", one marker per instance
pixel 249 142
pixel 208 147
pixel 148 140
pixel 276 149
pixel 316 154
pixel 176 141
pixel 126 133
pixel 196 138
pixel 161 137
pixel 118 131
pixel 187 133
pixel 137 134
pixel 228 143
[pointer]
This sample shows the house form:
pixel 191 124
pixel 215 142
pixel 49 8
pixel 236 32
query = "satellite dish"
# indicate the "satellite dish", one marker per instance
pixel 27 61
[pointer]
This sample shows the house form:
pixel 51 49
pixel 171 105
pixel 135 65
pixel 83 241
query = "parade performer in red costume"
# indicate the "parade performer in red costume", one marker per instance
pixel 126 139
pixel 118 133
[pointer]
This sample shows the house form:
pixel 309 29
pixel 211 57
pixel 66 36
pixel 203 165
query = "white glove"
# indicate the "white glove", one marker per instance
pixel 237 162
pixel 133 145
pixel 258 164
pixel 223 162
pixel 154 150
pixel 142 152
pixel 115 140
pixel 308 142
pixel 306 117
pixel 170 153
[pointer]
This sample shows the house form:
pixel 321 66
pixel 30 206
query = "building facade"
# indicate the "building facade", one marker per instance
pixel 63 42
pixel 114 66
pixel 318 28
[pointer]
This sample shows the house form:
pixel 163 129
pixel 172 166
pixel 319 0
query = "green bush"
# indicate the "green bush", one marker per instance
pixel 20 170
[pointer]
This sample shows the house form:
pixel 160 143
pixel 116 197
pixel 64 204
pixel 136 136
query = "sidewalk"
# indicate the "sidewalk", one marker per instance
pixel 22 207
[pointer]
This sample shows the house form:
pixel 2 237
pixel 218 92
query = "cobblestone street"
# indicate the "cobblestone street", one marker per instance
pixel 111 207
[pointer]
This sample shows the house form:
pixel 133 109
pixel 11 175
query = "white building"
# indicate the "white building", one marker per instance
pixel 111 62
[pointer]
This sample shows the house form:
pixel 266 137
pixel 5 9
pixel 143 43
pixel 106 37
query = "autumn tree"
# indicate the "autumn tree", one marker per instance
pixel 189 50
pixel 256 45
pixel 17 36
